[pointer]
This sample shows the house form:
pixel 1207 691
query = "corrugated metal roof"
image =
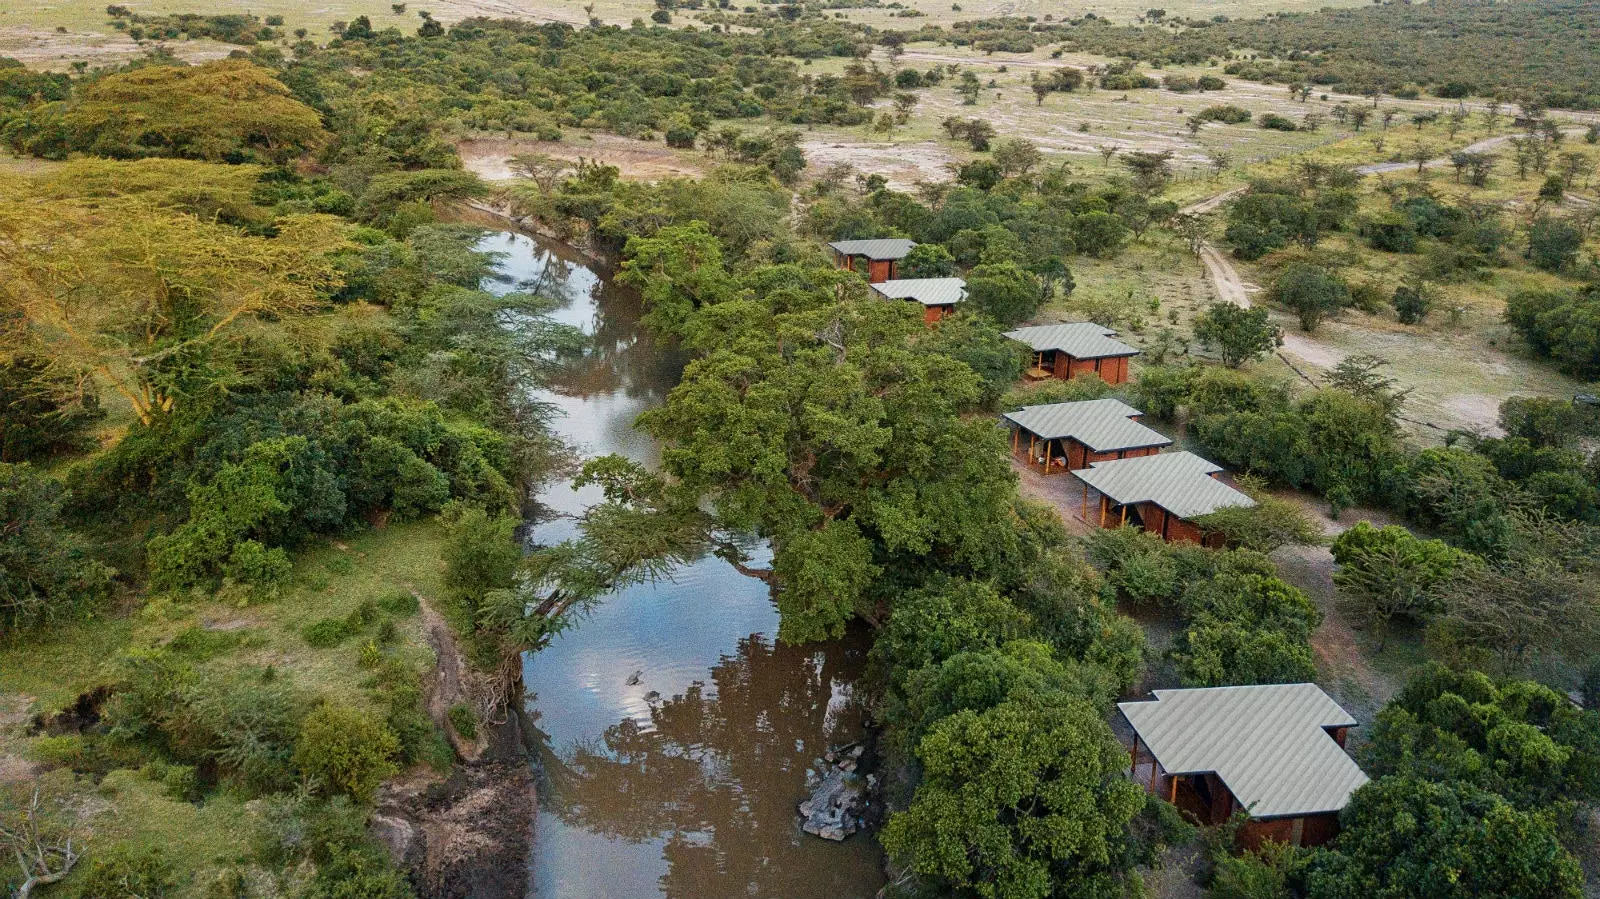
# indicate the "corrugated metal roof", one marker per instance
pixel 927 291
pixel 1080 340
pixel 1103 425
pixel 1179 482
pixel 1265 741
pixel 877 248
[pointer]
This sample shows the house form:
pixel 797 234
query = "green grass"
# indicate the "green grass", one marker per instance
pixel 372 572
pixel 55 666
pixel 199 841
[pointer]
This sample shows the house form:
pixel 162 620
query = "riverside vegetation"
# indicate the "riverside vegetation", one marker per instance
pixel 262 421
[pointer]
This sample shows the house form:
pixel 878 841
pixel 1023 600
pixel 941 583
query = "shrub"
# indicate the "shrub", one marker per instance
pixel 1274 122
pixel 326 632
pixel 257 565
pixel 1228 115
pixel 1391 234
pixel 1387 572
pixel 927 260
pixel 1263 221
pixel 399 602
pixel 362 615
pixel 480 555
pixel 1311 293
pixel 1225 653
pixel 182 782
pixel 347 752
pixel 1264 527
pixel 1239 335
pixel 1411 304
pixel 1004 292
pixel 1561 325
pixel 1087 387
pixel 1553 244
pixel 464 720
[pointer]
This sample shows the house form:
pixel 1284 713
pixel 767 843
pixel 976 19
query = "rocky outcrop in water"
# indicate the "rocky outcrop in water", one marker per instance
pixel 838 801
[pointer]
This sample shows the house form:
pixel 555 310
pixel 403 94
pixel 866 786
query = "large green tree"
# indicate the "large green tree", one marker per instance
pixel 826 431
pixel 1024 800
pixel 1405 838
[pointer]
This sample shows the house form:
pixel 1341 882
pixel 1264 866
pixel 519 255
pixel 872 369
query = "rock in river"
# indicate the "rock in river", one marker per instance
pixel 834 810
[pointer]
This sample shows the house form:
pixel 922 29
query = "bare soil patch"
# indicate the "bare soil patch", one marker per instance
pixel 1057 492
pixel 41 48
pixel 902 164
pixel 638 160
pixel 1344 662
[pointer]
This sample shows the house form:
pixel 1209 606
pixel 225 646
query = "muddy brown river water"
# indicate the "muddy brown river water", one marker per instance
pixel 675 732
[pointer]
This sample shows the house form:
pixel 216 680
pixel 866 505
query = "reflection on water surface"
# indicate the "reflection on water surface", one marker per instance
pixel 676 734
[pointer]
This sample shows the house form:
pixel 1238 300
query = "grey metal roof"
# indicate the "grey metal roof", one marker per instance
pixel 1103 425
pixel 927 291
pixel 1179 482
pixel 1080 340
pixel 1265 741
pixel 878 248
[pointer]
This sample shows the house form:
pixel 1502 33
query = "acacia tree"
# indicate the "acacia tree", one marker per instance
pixel 1385 572
pixel 213 111
pixel 146 298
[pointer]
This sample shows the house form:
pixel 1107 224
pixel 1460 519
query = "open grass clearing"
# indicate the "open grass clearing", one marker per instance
pixel 329 581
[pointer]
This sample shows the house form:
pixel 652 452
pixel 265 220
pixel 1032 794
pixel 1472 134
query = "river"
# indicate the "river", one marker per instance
pixel 676 732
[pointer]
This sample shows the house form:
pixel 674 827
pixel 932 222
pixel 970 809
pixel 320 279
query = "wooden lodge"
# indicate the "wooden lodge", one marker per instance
pixel 938 296
pixel 879 258
pixel 1162 494
pixel 1071 349
pixel 1273 751
pixel 1061 437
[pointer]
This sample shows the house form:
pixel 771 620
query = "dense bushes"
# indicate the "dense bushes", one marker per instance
pixel 1411 837
pixel 970 681
pixel 373 459
pixel 1227 115
pixel 1561 325
pixel 1337 443
pixel 46 572
pixel 1242 624
pixel 1518 739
